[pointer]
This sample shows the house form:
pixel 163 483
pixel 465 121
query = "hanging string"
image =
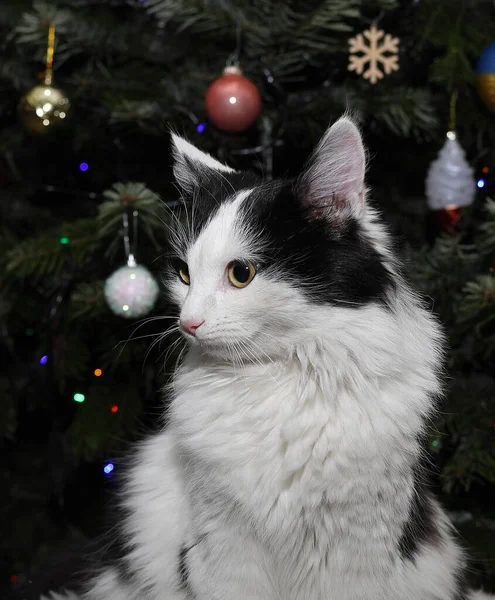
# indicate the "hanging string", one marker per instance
pixel 234 58
pixel 49 55
pixel 452 117
pixel 125 237
pixel 129 250
pixel 377 20
pixel 267 148
pixel 134 231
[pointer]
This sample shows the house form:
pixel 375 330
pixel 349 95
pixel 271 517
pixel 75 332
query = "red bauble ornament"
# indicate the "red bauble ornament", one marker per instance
pixel 232 102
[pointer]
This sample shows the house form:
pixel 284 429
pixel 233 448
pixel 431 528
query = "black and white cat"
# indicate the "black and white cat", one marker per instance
pixel 292 466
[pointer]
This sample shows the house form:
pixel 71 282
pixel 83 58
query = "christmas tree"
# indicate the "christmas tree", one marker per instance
pixel 90 91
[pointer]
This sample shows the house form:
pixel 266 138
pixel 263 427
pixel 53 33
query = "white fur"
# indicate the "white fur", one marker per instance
pixel 185 176
pixel 286 466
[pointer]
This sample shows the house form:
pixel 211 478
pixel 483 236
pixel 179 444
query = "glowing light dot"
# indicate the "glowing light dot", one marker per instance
pixel 39 111
pixel 98 372
pixel 132 276
pixel 480 183
pixel 108 468
pixel 485 170
pixel 232 99
pixel 48 92
pixel 451 135
pixel 84 166
pixel 13 579
pixel 125 308
pixel 79 397
pixel 62 115
pixel 64 240
pixel 435 443
pixel 47 107
pixel 29 332
pixel 46 122
pixel 43 360
pixel 114 408
pixel 200 127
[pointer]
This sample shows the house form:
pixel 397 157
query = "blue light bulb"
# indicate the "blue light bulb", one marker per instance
pixel 108 468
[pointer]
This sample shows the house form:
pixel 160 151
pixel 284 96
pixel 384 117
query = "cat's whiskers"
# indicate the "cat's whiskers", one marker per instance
pixel 237 345
pixel 173 232
pixel 181 354
pixel 139 325
pixel 168 352
pixel 163 336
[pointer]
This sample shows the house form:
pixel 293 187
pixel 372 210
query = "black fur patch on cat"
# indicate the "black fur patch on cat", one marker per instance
pixel 462 588
pixel 420 527
pixel 330 264
pixel 183 568
pixel 215 188
pixel 116 557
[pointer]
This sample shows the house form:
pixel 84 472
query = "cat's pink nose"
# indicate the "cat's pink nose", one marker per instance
pixel 190 326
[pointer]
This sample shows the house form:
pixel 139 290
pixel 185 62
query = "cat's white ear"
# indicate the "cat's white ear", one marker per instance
pixel 332 186
pixel 192 164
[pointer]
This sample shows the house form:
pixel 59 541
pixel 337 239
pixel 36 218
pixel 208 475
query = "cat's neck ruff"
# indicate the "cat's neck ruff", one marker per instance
pixel 360 396
pixel 359 352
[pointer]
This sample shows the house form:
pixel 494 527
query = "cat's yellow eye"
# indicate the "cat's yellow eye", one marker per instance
pixel 241 273
pixel 184 275
pixel 182 271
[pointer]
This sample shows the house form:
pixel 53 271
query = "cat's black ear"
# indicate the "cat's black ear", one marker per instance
pixel 332 185
pixel 192 165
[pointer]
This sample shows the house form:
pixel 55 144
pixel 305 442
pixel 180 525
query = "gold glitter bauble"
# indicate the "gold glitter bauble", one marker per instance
pixel 485 82
pixel 44 108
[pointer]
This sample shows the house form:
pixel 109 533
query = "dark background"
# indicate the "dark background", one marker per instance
pixel 132 70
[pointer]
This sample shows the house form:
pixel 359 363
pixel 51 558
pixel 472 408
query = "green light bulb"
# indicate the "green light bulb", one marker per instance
pixel 79 397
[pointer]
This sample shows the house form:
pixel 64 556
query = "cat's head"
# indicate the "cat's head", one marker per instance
pixel 261 267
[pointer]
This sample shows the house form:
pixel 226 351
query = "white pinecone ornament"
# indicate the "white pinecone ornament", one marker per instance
pixel 450 181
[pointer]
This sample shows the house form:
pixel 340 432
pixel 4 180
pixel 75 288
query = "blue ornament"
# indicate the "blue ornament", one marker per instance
pixel 485 76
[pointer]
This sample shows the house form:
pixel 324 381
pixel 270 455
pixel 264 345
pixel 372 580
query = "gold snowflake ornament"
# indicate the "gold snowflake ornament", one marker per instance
pixel 380 55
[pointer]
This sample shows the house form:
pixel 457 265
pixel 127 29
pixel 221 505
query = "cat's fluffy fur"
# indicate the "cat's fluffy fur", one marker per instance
pixel 292 466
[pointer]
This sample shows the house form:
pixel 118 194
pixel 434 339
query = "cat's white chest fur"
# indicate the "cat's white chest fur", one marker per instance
pixel 278 455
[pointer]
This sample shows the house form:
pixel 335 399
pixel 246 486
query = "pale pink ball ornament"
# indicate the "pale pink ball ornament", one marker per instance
pixel 131 291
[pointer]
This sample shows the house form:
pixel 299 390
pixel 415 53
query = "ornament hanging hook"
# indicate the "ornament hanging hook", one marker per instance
pixel 50 50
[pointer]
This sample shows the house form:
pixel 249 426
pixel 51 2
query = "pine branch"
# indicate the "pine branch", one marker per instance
pixel 478 301
pixel 87 302
pixel 49 254
pixel 45 255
